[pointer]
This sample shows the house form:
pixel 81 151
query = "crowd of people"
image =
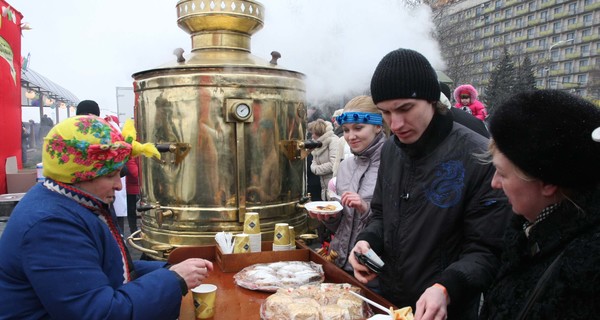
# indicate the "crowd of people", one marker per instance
pixel 461 206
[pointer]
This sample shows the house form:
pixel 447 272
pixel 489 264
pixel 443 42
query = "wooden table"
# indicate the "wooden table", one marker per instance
pixel 234 302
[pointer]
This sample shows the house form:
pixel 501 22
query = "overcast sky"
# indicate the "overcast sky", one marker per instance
pixel 92 47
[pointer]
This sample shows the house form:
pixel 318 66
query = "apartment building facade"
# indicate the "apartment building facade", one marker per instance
pixel 560 37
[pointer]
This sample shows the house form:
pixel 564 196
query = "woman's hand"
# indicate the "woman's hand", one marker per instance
pixel 353 200
pixel 193 271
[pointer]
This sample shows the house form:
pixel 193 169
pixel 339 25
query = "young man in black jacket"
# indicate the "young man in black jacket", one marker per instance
pixel 437 223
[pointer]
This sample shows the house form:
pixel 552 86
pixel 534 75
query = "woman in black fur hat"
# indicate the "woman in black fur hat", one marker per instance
pixel 548 165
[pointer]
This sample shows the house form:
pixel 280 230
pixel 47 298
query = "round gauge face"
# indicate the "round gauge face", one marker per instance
pixel 242 111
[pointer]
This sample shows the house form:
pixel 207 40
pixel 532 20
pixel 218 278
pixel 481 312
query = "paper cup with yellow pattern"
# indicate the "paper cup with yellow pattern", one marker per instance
pixel 204 300
pixel 241 243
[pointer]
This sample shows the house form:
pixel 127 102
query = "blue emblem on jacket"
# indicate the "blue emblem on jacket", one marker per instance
pixel 446 188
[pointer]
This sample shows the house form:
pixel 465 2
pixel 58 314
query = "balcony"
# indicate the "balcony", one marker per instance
pixel 586 68
pixel 575 26
pixel 547 4
pixel 571 56
pixel 590 38
pixel 532 49
pixel 510 2
pixel 521 38
pixel 560 15
pixel 591 6
pixel 546 33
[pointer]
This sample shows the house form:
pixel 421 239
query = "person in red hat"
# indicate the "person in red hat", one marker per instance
pixel 466 99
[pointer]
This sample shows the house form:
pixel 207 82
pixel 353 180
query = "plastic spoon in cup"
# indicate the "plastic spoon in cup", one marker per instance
pixel 373 303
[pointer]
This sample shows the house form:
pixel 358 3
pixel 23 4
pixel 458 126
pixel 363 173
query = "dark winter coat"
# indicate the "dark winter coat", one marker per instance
pixel 573 290
pixel 436 218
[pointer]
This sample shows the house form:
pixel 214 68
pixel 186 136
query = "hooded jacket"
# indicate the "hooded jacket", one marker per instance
pixel 477 108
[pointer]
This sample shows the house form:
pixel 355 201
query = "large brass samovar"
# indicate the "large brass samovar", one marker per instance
pixel 232 128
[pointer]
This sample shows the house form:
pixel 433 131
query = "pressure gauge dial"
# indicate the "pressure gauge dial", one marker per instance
pixel 242 111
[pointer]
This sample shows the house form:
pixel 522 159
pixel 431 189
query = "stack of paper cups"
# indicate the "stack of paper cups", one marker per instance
pixel 241 243
pixel 252 229
pixel 292 238
pixel 281 237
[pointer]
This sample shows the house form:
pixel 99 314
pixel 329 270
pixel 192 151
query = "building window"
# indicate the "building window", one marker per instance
pixel 570 35
pixel 507 24
pixel 532 6
pixel 584 63
pixel 542 43
pixel 543 27
pixel 569 68
pixel 544 15
pixel 572 7
pixel 582 78
pixel 497 15
pixel 566 79
pixel 530 32
pixel 587 19
pixel 497 39
pixel 520 7
pixel 518 33
pixel 588 2
pixel 497 28
pixel 519 22
pixel 556 26
pixel 586 32
pixel 530 17
pixel 508 13
pixel 555 39
pixel 558 10
pixel 528 44
pixel 571 21
pixel 498 4
pixel 585 48
pixel 569 50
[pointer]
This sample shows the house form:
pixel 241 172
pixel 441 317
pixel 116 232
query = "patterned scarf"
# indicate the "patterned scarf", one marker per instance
pixel 99 208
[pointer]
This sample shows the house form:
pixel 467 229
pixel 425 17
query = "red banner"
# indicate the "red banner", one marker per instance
pixel 10 87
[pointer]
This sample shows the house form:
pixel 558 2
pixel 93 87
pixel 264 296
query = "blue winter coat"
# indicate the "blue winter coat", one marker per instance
pixel 58 260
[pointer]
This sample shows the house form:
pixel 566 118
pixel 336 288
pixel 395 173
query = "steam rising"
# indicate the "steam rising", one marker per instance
pixel 337 44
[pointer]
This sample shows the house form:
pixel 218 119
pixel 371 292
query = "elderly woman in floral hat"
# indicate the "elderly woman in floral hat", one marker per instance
pixel 61 253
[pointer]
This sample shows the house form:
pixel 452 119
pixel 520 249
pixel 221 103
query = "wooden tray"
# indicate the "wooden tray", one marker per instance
pixel 238 261
pixel 234 302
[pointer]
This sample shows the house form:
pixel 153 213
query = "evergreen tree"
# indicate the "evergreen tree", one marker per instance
pixel 525 77
pixel 502 82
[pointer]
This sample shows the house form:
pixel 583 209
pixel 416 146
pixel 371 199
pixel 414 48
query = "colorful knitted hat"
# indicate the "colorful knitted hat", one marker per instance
pixel 404 74
pixel 83 148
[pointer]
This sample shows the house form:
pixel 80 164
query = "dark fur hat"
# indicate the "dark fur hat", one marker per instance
pixel 404 74
pixel 548 135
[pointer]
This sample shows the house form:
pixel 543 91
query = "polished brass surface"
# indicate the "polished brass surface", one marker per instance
pixel 229 159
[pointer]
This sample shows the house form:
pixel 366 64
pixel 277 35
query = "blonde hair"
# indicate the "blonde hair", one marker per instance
pixel 361 104
pixel 319 127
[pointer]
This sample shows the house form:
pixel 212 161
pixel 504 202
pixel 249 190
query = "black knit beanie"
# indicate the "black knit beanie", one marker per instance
pixel 548 135
pixel 86 107
pixel 404 74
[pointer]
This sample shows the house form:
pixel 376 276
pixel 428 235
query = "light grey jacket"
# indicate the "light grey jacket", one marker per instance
pixel 356 174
